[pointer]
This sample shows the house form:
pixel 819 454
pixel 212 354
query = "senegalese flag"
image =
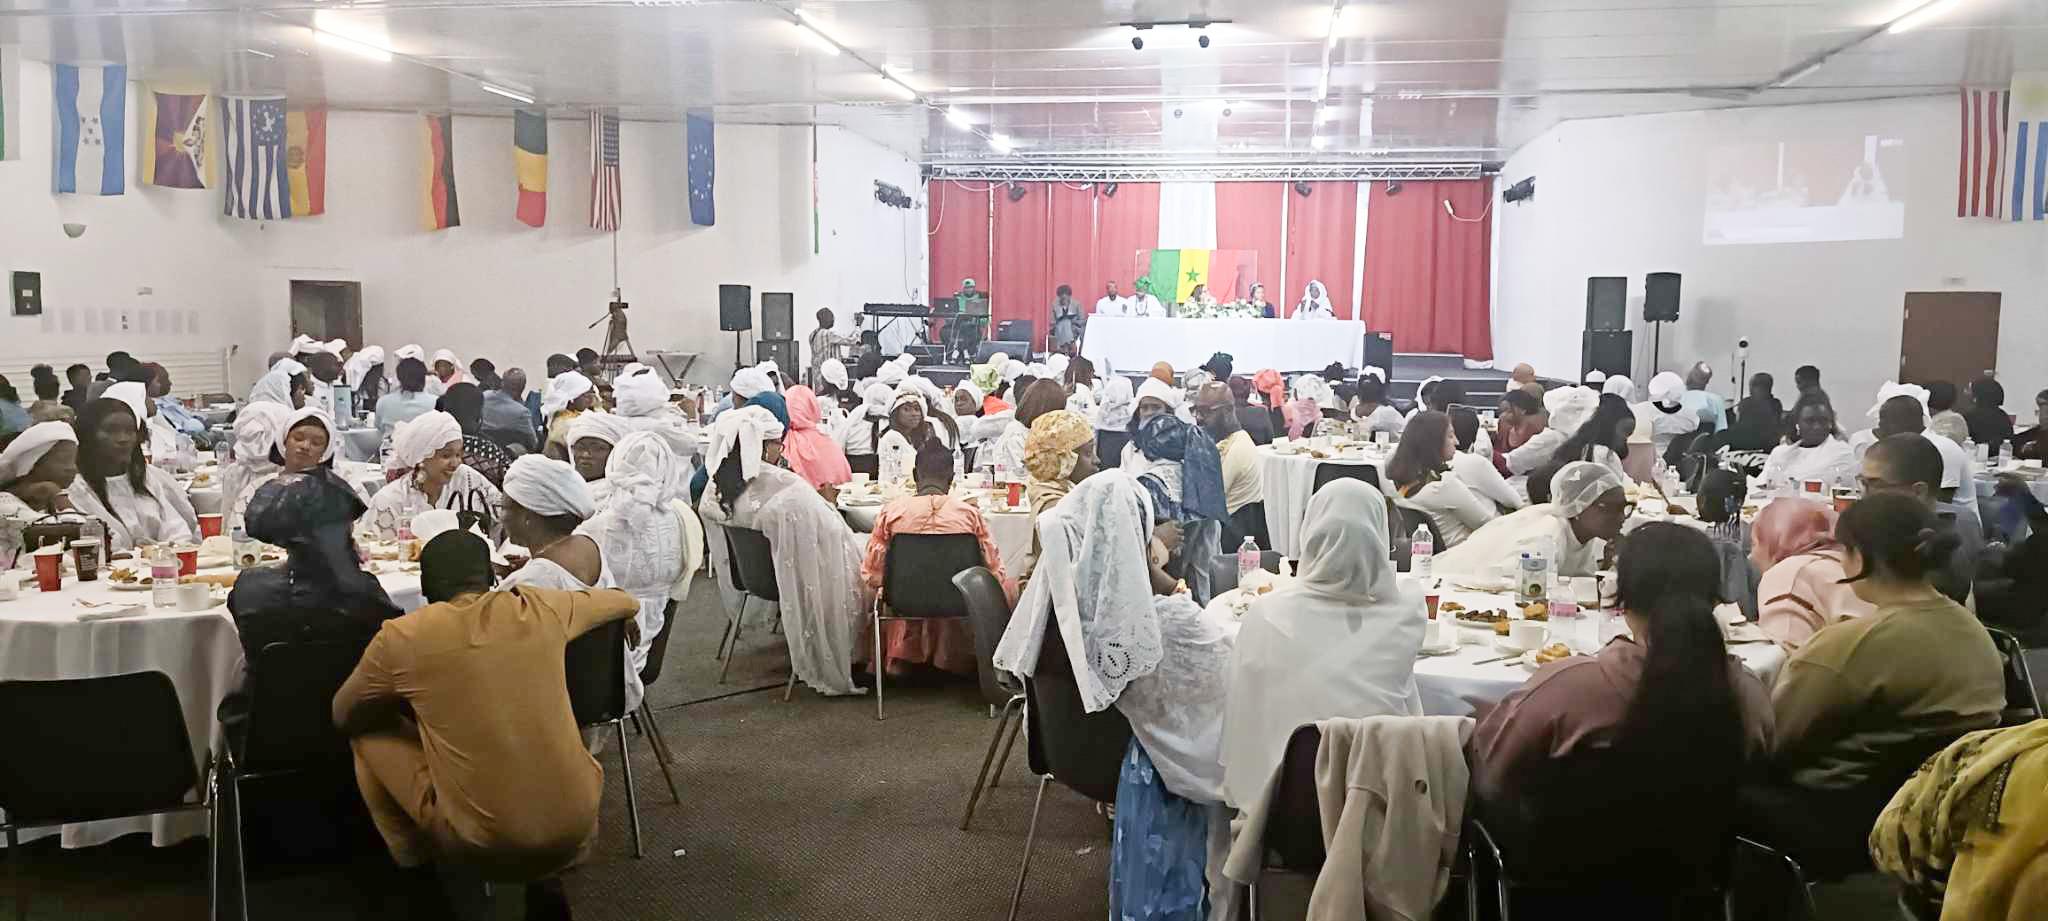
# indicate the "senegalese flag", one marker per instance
pixel 1172 274
pixel 530 164
pixel 176 126
pixel 442 211
pixel 305 159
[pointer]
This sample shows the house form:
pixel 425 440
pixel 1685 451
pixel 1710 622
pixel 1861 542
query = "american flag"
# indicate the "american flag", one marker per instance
pixel 253 130
pixel 1980 174
pixel 605 194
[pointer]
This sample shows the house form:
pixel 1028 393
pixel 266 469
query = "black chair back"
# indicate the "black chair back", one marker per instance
pixel 988 615
pixel 753 562
pixel 595 666
pixel 917 579
pixel 291 690
pixel 2022 704
pixel 83 749
pixel 1401 524
pixel 1081 750
pixel 870 464
pixel 1223 569
pixel 1365 473
pixel 658 652
pixel 1294 824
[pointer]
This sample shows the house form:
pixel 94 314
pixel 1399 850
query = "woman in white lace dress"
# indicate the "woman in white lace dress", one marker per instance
pixel 639 530
pixel 428 452
pixel 546 507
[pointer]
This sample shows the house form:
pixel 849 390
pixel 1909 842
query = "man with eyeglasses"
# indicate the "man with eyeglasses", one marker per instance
pixel 1910 465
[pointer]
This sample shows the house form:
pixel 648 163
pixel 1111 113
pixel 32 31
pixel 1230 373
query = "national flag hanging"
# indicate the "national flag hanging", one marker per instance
pixel 252 133
pixel 89 128
pixel 1980 177
pixel 175 124
pixel 605 194
pixel 2026 166
pixel 530 163
pixel 1172 274
pixel 442 212
pixel 703 156
pixel 305 159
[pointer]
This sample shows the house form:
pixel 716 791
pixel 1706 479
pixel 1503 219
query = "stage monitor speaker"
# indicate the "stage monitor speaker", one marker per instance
pixel 1606 302
pixel 778 315
pixel 1379 352
pixel 783 353
pixel 1660 297
pixel 1014 331
pixel 1606 350
pixel 735 308
pixel 1020 351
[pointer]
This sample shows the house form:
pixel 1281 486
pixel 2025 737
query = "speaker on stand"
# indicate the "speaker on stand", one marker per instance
pixel 778 335
pixel 1608 351
pixel 1660 306
pixel 736 316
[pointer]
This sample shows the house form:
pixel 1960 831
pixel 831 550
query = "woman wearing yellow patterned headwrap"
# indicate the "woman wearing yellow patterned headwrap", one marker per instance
pixel 1059 452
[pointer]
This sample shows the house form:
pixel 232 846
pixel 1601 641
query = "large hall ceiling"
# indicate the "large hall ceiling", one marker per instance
pixel 1453 80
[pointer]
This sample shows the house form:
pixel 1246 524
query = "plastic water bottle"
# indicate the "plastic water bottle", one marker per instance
pixel 163 577
pixel 244 551
pixel 1247 559
pixel 1564 610
pixel 1421 552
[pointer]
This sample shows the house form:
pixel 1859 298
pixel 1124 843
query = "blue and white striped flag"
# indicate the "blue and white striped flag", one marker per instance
pixel 2027 126
pixel 90 128
pixel 258 180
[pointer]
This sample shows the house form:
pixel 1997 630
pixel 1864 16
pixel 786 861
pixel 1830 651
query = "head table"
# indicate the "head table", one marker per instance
pixel 42 638
pixel 1135 343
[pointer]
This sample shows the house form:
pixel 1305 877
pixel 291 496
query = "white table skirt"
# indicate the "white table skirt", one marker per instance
pixel 42 639
pixel 1288 481
pixel 361 444
pixel 1135 343
pixel 1011 532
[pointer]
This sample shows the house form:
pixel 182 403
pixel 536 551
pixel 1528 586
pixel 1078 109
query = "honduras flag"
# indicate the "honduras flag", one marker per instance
pixel 91 115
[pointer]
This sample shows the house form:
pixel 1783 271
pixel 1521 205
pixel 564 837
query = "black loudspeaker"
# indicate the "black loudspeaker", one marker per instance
pixel 1606 303
pixel 1020 351
pixel 735 308
pixel 1379 353
pixel 28 294
pixel 783 353
pixel 778 315
pixel 1014 331
pixel 1606 350
pixel 1660 297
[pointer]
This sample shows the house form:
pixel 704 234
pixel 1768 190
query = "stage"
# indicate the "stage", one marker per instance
pixel 1483 387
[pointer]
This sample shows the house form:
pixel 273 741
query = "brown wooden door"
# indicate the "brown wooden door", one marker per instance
pixel 1949 336
pixel 328 310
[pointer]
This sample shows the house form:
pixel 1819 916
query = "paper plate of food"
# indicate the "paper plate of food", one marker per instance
pixel 1537 658
pixel 127 577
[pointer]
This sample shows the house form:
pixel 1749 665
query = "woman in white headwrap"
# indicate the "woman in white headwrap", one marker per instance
pixel 447 369
pixel 1667 415
pixel 569 395
pixel 1315 303
pixel 403 352
pixel 546 508
pixel 817 557
pixel 643 406
pixel 285 384
pixel 910 422
pixel 1117 402
pixel 641 529
pixel 857 432
pixel 35 469
pixel 257 426
pixel 1586 509
pixel 427 455
pixel 590 440
pixel 364 373
pixel 138 502
pixel 1160 660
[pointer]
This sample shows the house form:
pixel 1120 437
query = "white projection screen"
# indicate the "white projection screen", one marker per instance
pixel 1810 190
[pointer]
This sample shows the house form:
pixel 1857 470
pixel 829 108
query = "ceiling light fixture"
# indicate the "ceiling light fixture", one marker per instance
pixel 1801 74
pixel 1001 143
pixel 506 92
pixel 260 54
pixel 898 88
pixel 1920 15
pixel 958 118
pixel 351 45
pixel 1319 142
pixel 1329 52
pixel 818 40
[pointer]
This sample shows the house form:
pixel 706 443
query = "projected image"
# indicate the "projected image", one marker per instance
pixel 1806 191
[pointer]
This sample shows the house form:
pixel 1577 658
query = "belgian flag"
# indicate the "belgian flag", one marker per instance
pixel 530 158
pixel 442 211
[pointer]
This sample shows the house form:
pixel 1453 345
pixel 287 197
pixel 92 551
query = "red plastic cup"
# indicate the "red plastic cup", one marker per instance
pixel 1016 496
pixel 1431 599
pixel 209 525
pixel 188 561
pixel 49 571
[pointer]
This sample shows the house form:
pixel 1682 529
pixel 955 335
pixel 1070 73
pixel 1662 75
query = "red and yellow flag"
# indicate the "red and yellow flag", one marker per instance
pixel 305 159
pixel 442 211
pixel 530 163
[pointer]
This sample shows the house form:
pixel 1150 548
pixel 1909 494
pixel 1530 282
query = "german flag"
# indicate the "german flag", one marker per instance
pixel 442 212
pixel 530 158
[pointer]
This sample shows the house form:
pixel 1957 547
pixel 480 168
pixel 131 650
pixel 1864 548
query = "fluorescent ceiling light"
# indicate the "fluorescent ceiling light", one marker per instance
pixel 1319 142
pixel 351 45
pixel 260 54
pixel 958 117
pixel 1802 73
pixel 506 92
pixel 1001 143
pixel 898 88
pixel 1921 15
pixel 818 41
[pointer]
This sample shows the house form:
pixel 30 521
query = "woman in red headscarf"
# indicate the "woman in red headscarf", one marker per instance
pixel 1793 544
pixel 811 453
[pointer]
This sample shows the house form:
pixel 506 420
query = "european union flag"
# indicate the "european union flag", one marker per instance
pixel 703 170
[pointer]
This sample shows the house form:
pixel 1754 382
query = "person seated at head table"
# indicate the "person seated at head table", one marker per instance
pixel 1803 588
pixel 1420 472
pixel 1007 452
pixel 1338 642
pixel 35 470
pixel 428 454
pixel 1586 510
pixel 139 503
pixel 817 557
pixel 945 644
pixel 1814 449
pixel 410 401
pixel 1910 465
pixel 1244 490
pixel 321 593
pixel 1987 420
pixel 1314 303
pixel 1969 831
pixel 1613 776
pixel 465 401
pixel 1369 407
pixel 1904 415
pixel 467 751
pixel 909 425
pixel 1524 438
pixel 1865 701
pixel 1474 463
pixel 1170 679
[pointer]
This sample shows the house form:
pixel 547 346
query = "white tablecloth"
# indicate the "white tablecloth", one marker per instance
pixel 1011 531
pixel 360 444
pixel 42 639
pixel 1134 343
pixel 1288 481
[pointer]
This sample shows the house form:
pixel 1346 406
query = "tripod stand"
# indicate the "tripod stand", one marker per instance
pixel 618 346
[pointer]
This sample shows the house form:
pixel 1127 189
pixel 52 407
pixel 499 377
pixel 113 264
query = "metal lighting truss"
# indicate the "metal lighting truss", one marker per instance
pixel 1021 170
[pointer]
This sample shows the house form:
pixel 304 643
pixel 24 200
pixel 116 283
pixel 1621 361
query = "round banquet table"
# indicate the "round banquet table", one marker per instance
pixel 1450 684
pixel 1010 530
pixel 42 639
pixel 1288 481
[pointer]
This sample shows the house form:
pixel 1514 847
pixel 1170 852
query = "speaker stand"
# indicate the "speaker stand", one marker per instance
pixel 738 350
pixel 1656 347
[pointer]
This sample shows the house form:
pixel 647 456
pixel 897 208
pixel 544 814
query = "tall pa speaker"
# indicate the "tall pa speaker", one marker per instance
pixel 1660 297
pixel 778 315
pixel 735 308
pixel 783 353
pixel 1607 351
pixel 1606 302
pixel 1379 352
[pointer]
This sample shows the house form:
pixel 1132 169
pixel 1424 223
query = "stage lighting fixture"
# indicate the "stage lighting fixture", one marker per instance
pixel 1302 189
pixel 1137 42
pixel 1109 190
pixel 1016 192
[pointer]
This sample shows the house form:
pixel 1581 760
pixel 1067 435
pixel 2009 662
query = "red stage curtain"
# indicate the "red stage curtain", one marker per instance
pixel 957 222
pixel 1426 273
pixel 1073 247
pixel 1322 239
pixel 1020 280
pixel 1248 218
pixel 1124 224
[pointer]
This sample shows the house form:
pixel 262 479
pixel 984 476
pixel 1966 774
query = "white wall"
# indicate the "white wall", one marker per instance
pixel 492 286
pixel 1625 196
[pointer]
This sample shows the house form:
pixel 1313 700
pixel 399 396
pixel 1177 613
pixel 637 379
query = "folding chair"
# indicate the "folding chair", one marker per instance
pixel 2022 702
pixel 917 584
pixel 1365 473
pixel 1083 751
pixel 595 666
pixel 988 614
pixel 753 571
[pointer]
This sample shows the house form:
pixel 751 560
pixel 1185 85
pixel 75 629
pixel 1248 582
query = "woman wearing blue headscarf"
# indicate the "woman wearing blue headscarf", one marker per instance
pixel 1184 475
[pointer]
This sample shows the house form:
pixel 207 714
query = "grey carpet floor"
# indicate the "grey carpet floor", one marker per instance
pixel 804 810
